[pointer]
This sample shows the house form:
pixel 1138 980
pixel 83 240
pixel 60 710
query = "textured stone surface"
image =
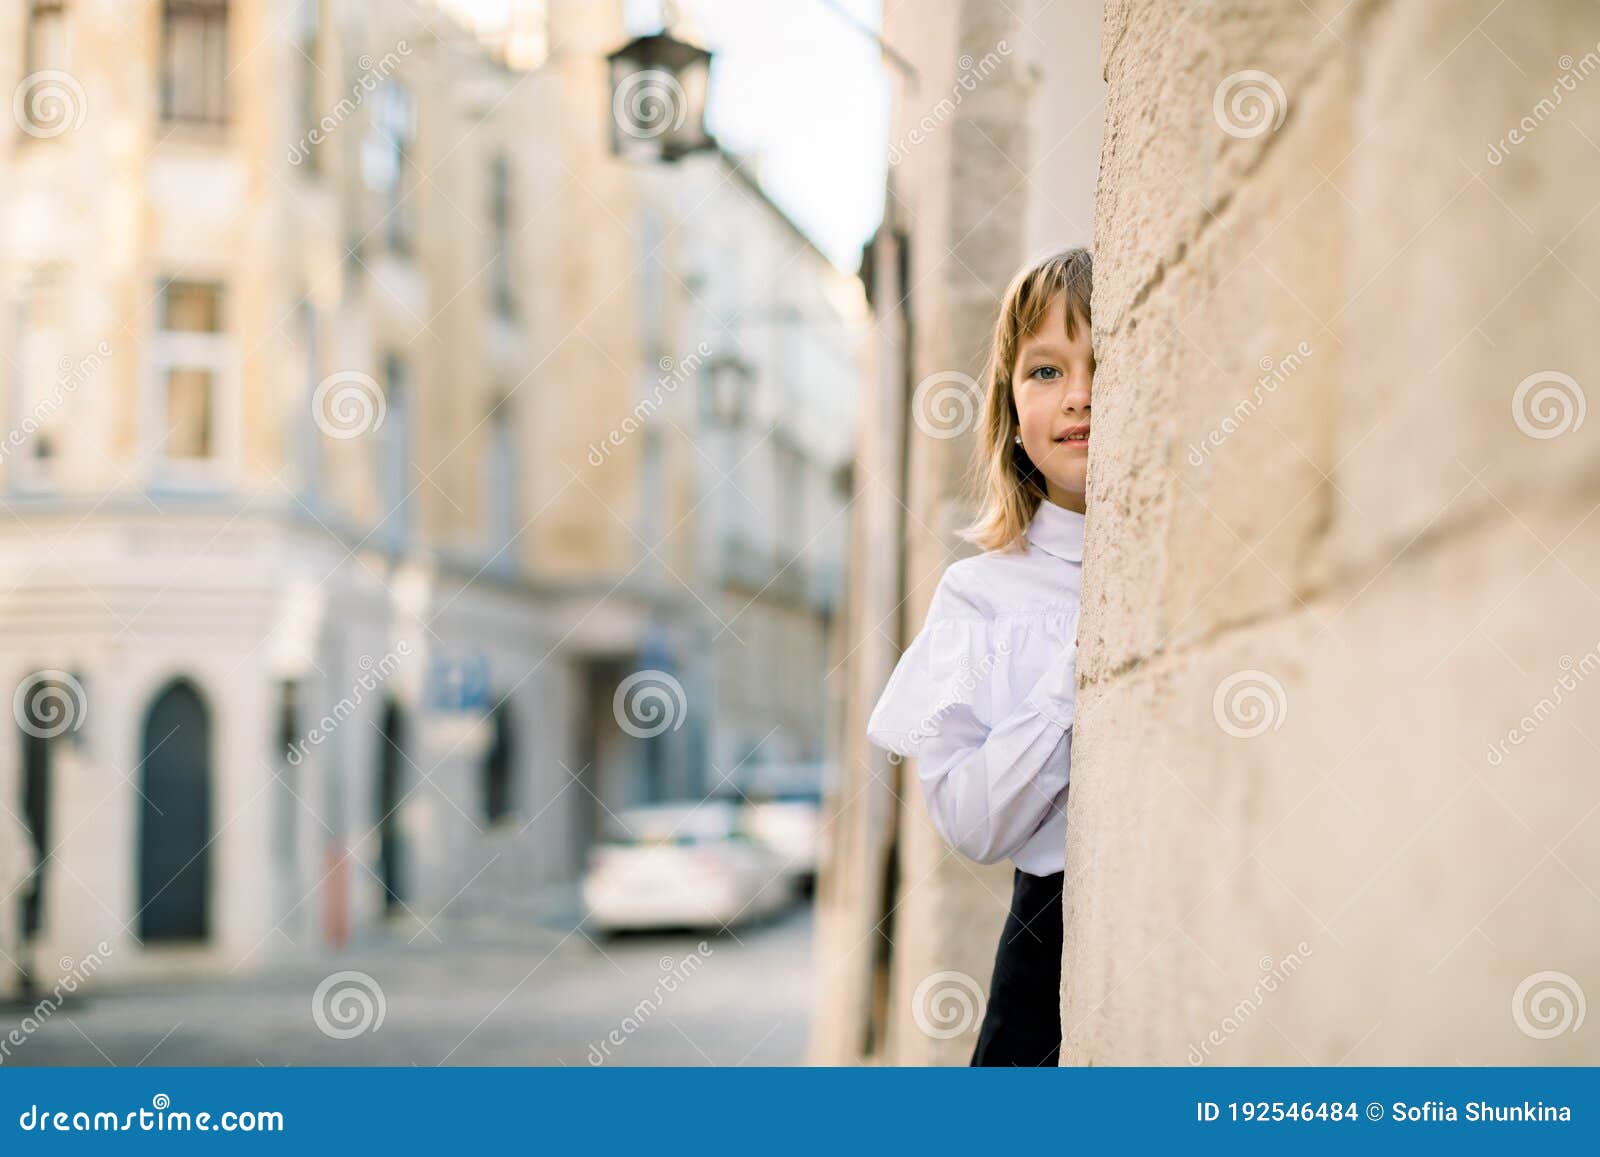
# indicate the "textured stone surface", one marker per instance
pixel 1405 569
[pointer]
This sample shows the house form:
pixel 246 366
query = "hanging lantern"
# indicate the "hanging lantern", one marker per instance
pixel 659 86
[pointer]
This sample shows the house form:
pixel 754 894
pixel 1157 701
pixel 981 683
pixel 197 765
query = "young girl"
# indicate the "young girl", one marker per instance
pixel 984 696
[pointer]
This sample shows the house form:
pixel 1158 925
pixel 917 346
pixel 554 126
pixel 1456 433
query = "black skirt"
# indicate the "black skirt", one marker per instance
pixel 1022 1023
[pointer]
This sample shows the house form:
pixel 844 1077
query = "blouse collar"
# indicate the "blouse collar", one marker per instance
pixel 1057 531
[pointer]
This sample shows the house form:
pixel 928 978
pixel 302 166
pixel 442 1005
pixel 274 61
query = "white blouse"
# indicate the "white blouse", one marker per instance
pixel 985 697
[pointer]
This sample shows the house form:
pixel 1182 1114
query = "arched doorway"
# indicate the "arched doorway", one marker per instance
pixel 499 766
pixel 175 817
pixel 391 793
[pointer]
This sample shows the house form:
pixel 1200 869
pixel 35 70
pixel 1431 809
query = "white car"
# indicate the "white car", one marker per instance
pixel 683 865
pixel 792 827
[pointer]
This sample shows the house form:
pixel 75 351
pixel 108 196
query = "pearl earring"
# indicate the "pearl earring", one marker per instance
pixel 1017 438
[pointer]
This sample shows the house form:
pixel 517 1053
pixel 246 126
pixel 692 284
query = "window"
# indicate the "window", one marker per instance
pixel 192 376
pixel 500 266
pixel 308 40
pixel 527 43
pixel 500 486
pixel 395 467
pixel 191 308
pixel 789 465
pixel 302 420
pixel 40 110
pixel 41 388
pixel 189 417
pixel 386 161
pixel 194 61
pixel 46 36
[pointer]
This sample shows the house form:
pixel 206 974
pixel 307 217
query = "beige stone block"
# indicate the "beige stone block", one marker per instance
pixel 1224 377
pixel 1467 277
pixel 1198 97
pixel 1367 823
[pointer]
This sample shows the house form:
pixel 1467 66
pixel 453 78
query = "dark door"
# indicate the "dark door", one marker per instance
pixel 597 739
pixel 497 767
pixel 36 814
pixel 175 817
pixel 391 774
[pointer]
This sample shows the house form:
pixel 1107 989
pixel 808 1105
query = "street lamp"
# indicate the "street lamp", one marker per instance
pixel 659 86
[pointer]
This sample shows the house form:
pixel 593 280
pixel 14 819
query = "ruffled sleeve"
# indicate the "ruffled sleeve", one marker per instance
pixel 987 706
pixel 943 672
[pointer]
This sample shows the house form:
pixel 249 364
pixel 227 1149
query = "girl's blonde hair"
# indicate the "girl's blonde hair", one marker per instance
pixel 1009 486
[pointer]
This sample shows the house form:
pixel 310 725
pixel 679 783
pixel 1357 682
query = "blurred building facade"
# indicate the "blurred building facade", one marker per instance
pixel 1341 525
pixel 370 427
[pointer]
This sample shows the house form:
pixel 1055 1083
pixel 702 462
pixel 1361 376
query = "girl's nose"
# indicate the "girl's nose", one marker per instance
pixel 1076 395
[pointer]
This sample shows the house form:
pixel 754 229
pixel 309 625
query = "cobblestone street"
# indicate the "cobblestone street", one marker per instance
pixel 554 999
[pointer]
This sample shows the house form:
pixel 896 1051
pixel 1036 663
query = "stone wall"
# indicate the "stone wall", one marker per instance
pixel 1334 775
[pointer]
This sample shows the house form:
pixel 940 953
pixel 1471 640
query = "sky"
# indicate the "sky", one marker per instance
pixel 798 90
pixel 804 94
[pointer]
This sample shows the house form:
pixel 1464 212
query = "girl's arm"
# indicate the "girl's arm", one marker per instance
pixel 989 788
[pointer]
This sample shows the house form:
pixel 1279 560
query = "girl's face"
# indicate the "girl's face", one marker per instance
pixel 1050 385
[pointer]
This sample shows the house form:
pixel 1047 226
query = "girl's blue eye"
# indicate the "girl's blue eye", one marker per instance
pixel 1046 370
